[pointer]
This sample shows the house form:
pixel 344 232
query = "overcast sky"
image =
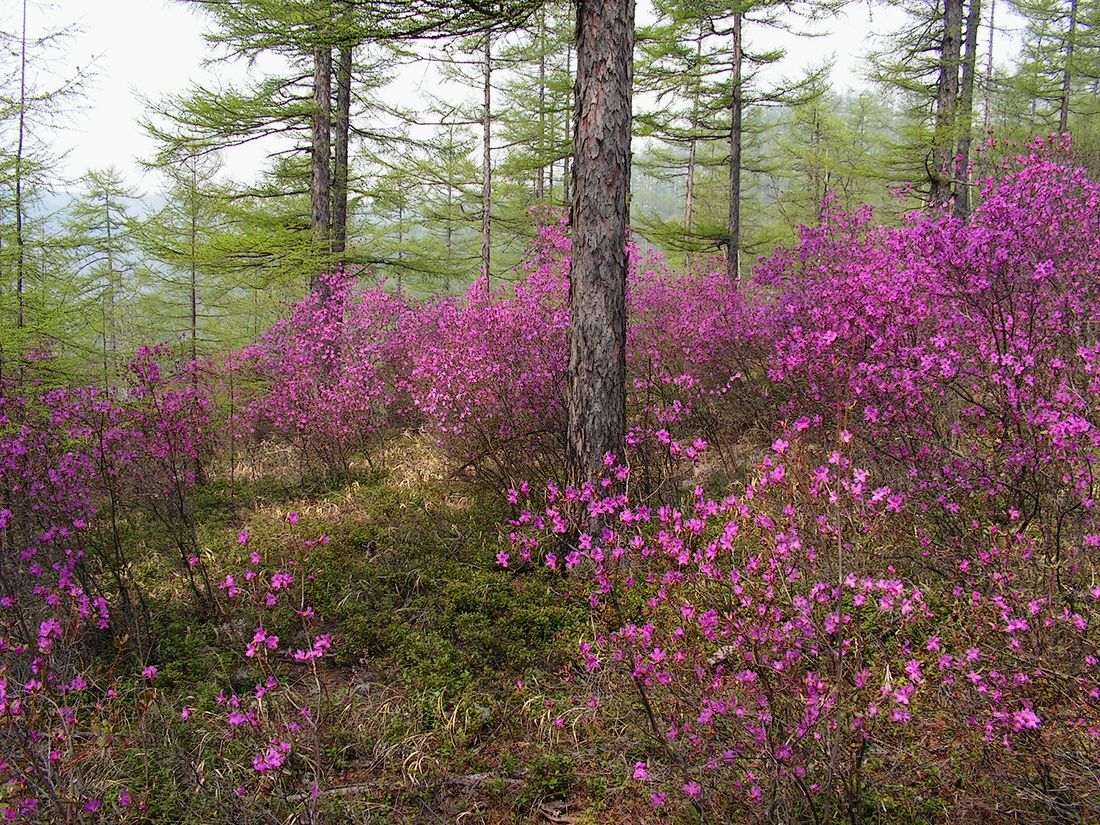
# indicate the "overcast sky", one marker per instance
pixel 149 48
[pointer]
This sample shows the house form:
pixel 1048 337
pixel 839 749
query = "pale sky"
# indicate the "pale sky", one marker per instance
pixel 150 48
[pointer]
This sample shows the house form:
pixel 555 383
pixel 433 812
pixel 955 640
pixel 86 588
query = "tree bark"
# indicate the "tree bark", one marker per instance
pixel 965 114
pixel 320 184
pixel 733 252
pixel 947 92
pixel 194 239
pixel 112 298
pixel 596 403
pixel 340 158
pixel 487 164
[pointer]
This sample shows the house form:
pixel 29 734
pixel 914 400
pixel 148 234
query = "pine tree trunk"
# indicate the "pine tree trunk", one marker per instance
pixel 601 183
pixel 320 184
pixel 733 256
pixel 340 159
pixel 965 112
pixel 1067 71
pixel 487 165
pixel 947 92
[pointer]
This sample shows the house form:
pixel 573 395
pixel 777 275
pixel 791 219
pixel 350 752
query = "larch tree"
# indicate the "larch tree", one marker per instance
pixel 99 234
pixel 706 64
pixel 1060 63
pixel 33 98
pixel 315 108
pixel 930 63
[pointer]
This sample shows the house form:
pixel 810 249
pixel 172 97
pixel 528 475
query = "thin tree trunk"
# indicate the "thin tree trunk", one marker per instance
pixel 989 67
pixel 1067 76
pixel 733 256
pixel 689 193
pixel 400 246
pixel 198 469
pixel 450 217
pixel 597 290
pixel 487 165
pixel 965 112
pixel 567 173
pixel 540 187
pixel 194 262
pixel 947 92
pixel 320 188
pixel 112 310
pixel 20 241
pixel 340 161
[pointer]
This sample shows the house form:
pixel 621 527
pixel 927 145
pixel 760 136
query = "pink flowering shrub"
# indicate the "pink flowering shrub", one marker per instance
pixel 487 372
pixel 76 465
pixel 264 739
pixel 326 378
pixel 783 668
pixel 961 355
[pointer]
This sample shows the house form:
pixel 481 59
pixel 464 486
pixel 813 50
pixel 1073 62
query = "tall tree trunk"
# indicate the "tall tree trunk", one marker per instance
pixel 693 90
pixel 567 173
pixel 540 187
pixel 450 219
pixel 194 239
pixel 112 310
pixel 989 67
pixel 487 164
pixel 733 256
pixel 340 159
pixel 947 92
pixel 601 183
pixel 20 241
pixel 320 183
pixel 400 248
pixel 965 114
pixel 1067 70
pixel 198 469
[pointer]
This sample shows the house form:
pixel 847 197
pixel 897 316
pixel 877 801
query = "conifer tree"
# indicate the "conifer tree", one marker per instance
pixel 701 64
pixel 100 237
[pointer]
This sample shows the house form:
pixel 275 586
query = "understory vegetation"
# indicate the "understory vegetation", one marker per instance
pixel 847 571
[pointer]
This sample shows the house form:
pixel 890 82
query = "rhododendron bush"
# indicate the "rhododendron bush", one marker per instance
pixel 788 655
pixel 76 465
pixel 81 469
pixel 325 378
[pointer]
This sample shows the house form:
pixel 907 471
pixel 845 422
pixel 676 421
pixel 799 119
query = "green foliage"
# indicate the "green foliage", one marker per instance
pixel 399 588
pixel 551 777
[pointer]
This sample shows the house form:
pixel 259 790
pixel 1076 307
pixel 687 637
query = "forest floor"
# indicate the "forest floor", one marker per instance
pixel 453 693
